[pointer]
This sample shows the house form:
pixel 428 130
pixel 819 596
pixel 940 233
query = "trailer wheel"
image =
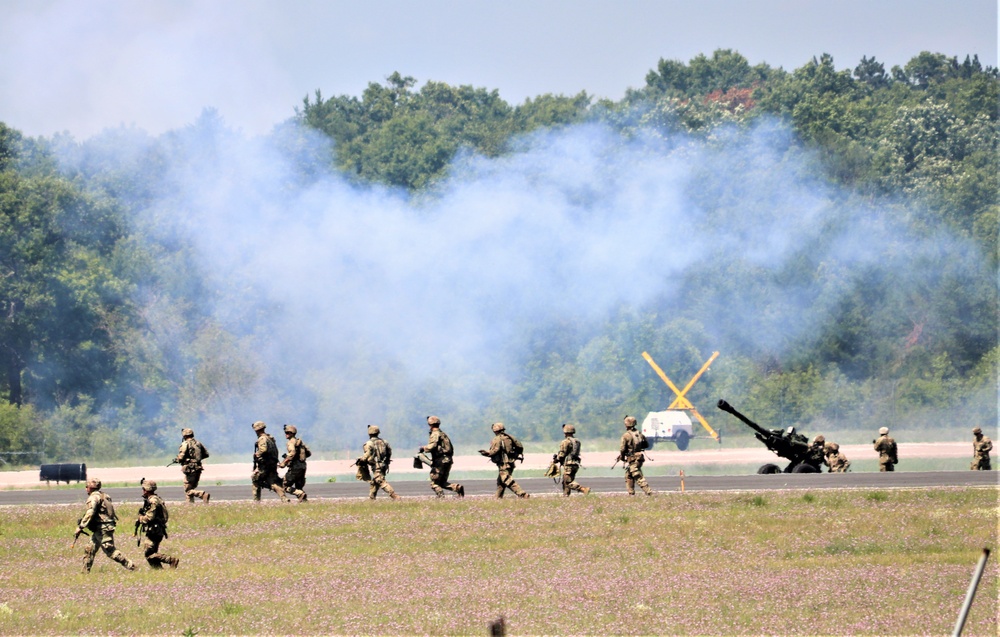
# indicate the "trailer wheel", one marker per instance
pixel 681 439
pixel 804 468
pixel 769 468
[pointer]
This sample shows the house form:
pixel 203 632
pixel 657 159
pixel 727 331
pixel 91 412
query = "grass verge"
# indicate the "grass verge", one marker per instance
pixel 868 562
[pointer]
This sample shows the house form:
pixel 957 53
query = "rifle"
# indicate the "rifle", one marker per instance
pixel 617 460
pixel 142 511
pixel 76 536
pixel 173 462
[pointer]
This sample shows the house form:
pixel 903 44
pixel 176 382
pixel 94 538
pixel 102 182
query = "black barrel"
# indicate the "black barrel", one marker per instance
pixel 63 473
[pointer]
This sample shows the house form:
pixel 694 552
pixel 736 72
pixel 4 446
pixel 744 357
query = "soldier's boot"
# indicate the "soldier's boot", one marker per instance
pixel 566 492
pixel 524 495
pixel 206 496
pixel 499 493
pixel 281 493
pixel 256 494
pixel 301 495
pixel 190 497
pixel 394 495
pixel 438 491
pixel 460 490
pixel 173 561
pixel 630 486
pixel 585 490
pixel 645 487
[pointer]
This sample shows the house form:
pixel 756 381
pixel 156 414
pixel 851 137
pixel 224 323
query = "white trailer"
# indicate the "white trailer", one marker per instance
pixel 671 425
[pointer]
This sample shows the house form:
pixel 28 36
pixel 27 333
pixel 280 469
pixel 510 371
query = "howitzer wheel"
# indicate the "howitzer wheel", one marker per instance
pixel 805 467
pixel 769 468
pixel 682 440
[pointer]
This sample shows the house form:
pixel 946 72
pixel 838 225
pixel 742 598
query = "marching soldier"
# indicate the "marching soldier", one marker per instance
pixel 836 460
pixel 265 464
pixel 886 448
pixel 569 457
pixel 189 456
pixel 152 519
pixel 504 451
pixel 377 455
pixel 981 448
pixel 101 519
pixel 441 450
pixel 630 452
pixel 295 460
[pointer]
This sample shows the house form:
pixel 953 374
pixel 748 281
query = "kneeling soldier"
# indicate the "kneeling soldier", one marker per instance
pixel 152 520
pixel 101 519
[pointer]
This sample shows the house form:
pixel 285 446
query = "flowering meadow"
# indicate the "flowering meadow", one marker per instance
pixel 851 562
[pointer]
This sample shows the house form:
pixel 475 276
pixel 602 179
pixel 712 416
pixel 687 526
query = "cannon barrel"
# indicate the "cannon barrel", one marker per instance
pixel 726 407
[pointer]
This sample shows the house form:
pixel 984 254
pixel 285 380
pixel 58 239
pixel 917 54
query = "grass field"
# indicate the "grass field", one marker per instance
pixel 864 562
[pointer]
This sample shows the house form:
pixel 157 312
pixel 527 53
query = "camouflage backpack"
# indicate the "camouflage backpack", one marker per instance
pixel 383 453
pixel 574 451
pixel 639 441
pixel 514 448
pixel 444 445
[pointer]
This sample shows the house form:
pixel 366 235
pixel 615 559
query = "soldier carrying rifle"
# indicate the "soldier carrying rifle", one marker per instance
pixel 152 521
pixel 189 456
pixel 100 519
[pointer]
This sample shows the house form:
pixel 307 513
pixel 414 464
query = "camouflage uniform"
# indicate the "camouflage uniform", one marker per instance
pixel 441 450
pixel 632 456
pixel 153 518
pixel 981 448
pixel 189 456
pixel 501 453
pixel 295 460
pixel 836 460
pixel 101 519
pixel 377 455
pixel 265 459
pixel 569 457
pixel 886 448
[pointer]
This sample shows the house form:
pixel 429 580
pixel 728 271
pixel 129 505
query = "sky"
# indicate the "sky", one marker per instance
pixel 81 67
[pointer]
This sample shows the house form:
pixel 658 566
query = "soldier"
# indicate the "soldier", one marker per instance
pixel 100 518
pixel 816 455
pixel 295 460
pixel 836 460
pixel 265 464
pixel 569 457
pixel 630 452
pixel 441 450
pixel 377 455
pixel 981 448
pixel 886 448
pixel 153 518
pixel 189 456
pixel 504 451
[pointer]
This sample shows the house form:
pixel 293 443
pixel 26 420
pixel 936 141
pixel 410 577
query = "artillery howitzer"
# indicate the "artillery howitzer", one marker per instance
pixel 786 443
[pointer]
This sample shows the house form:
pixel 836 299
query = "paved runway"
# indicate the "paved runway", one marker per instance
pixel 546 487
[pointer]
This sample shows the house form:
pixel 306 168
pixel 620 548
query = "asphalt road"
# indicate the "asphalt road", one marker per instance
pixel 546 487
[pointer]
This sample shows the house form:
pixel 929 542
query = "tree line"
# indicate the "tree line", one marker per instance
pixel 87 282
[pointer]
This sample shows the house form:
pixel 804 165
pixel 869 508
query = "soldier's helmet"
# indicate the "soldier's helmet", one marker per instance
pixel 259 426
pixel 497 427
pixel 187 432
pixel 373 430
pixel 820 439
pixel 977 431
pixel 149 485
pixel 834 447
pixel 93 484
pixel 883 431
pixel 569 429
pixel 290 429
pixel 433 421
pixel 629 422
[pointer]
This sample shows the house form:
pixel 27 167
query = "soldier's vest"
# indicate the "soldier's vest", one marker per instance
pixel 511 448
pixel 574 451
pixel 269 460
pixel 383 454
pixel 299 450
pixel 160 522
pixel 444 448
pixel 104 513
